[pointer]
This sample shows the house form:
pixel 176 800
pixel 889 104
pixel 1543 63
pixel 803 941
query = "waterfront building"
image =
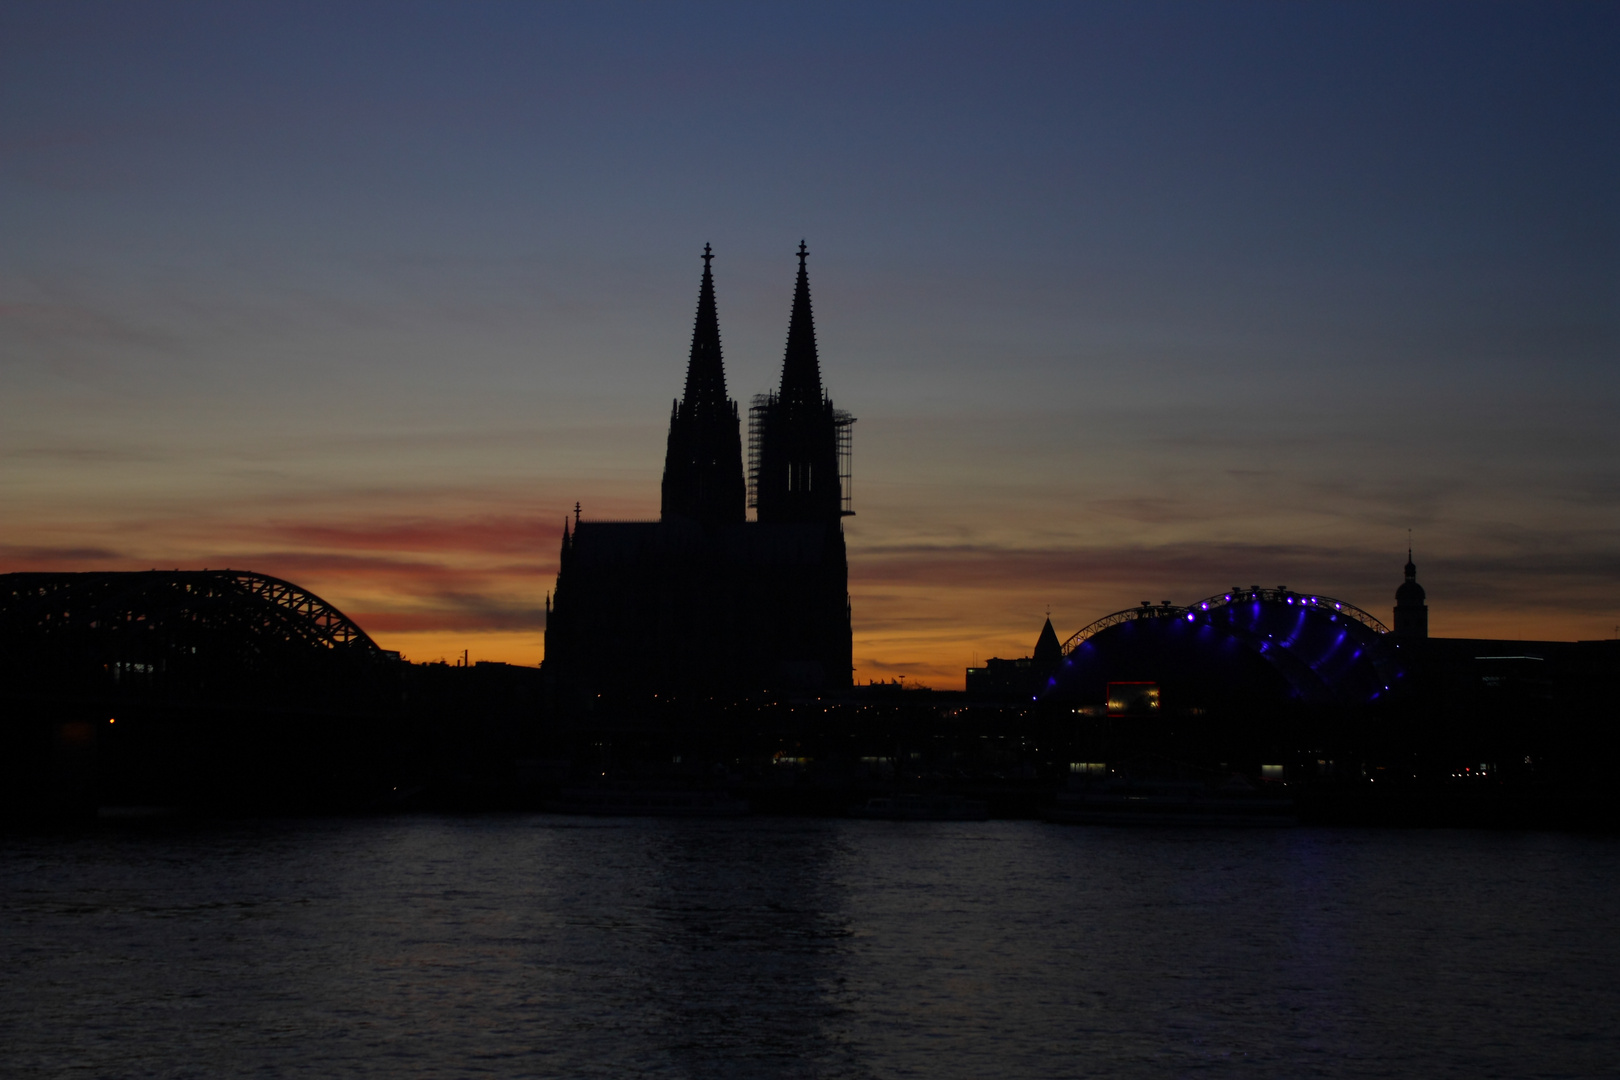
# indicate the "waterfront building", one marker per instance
pixel 1023 679
pixel 703 603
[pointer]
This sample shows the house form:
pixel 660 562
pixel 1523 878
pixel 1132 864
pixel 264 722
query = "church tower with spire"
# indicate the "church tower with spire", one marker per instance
pixel 1411 612
pixel 794 434
pixel 703 472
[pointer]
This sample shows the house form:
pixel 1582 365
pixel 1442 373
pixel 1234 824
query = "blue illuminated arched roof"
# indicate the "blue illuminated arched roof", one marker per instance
pixel 1246 646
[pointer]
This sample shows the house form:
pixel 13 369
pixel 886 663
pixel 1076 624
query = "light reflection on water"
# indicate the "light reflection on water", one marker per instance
pixel 548 946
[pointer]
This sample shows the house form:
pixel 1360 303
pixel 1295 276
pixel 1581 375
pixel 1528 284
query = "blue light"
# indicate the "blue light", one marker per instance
pixel 1189 616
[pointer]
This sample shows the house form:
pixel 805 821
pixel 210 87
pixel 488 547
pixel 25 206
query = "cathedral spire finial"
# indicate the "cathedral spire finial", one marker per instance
pixel 801 367
pixel 705 391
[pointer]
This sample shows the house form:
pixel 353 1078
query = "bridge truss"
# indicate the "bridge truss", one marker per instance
pixel 272 612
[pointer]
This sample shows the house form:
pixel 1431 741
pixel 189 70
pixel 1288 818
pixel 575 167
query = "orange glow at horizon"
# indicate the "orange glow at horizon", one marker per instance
pixel 470 575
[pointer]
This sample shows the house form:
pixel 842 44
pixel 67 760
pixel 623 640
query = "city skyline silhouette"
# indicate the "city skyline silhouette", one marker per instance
pixel 1128 302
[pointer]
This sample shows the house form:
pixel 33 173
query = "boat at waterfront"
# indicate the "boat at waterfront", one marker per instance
pixel 1130 800
pixel 644 802
pixel 912 807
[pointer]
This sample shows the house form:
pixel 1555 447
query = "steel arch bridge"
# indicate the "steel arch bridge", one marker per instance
pixel 192 637
pixel 273 611
pixel 190 687
pixel 1306 601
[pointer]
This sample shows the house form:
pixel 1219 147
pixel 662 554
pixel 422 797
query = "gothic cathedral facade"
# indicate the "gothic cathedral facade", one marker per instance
pixel 703 603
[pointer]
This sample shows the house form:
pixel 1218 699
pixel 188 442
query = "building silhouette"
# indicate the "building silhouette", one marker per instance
pixel 1411 612
pixel 1023 679
pixel 703 603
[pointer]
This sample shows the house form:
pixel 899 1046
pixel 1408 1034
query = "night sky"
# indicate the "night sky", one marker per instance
pixel 1133 301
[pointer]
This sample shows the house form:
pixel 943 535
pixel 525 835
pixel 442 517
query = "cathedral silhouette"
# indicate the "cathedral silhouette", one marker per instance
pixel 704 603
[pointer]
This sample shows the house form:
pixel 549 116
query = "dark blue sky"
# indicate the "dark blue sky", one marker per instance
pixel 1127 296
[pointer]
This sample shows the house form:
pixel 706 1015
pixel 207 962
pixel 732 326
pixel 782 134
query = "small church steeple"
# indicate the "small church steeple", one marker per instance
pixel 703 475
pixel 1411 611
pixel 1047 648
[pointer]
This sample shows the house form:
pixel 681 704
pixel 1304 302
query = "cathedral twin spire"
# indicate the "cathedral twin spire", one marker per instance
pixel 703 477
pixel 705 372
pixel 801 367
pixel 798 465
pixel 797 468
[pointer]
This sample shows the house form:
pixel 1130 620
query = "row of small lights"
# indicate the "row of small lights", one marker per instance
pixel 1228 598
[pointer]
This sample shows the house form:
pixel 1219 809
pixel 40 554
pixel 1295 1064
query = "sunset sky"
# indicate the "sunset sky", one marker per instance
pixel 1133 301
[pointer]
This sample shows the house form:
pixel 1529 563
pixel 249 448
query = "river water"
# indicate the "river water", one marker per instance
pixel 570 947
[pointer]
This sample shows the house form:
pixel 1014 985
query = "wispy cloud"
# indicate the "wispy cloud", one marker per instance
pixel 15 558
pixel 483 534
pixel 472 612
